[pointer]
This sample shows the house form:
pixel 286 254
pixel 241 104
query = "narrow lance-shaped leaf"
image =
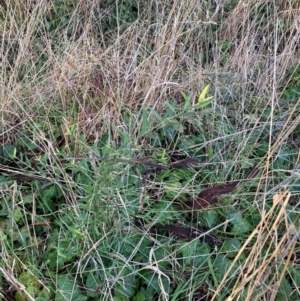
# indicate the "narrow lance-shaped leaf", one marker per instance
pixel 203 94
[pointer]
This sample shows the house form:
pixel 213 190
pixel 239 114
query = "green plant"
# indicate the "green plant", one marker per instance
pixel 91 93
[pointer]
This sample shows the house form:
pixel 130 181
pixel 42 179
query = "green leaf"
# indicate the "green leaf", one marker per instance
pixel 92 283
pixel 240 225
pixel 209 218
pixel 159 118
pixel 172 110
pixel 139 297
pixel 295 272
pixel 155 282
pixel 18 214
pixel 68 290
pixel 8 151
pixel 203 104
pixel 32 285
pixel 187 99
pixel 77 234
pixel 145 122
pixel 128 284
pixel 231 247
pixel 195 253
pixel 221 266
pixel 284 292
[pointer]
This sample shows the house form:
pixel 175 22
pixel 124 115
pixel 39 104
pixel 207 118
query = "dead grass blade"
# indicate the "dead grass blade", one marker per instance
pixel 269 257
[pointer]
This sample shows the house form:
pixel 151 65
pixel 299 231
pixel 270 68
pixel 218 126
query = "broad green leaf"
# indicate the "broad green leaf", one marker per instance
pixel 195 253
pixel 18 214
pixel 240 224
pixel 9 151
pixel 209 218
pixel 68 290
pixel 231 247
pixel 221 266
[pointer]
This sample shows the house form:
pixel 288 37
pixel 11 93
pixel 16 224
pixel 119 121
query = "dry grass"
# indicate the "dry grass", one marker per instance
pixel 262 272
pixel 176 49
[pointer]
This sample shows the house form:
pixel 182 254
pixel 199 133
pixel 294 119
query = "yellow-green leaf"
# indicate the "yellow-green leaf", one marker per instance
pixel 203 94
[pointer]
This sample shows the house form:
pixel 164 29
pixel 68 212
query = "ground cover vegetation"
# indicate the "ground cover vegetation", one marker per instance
pixel 117 117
